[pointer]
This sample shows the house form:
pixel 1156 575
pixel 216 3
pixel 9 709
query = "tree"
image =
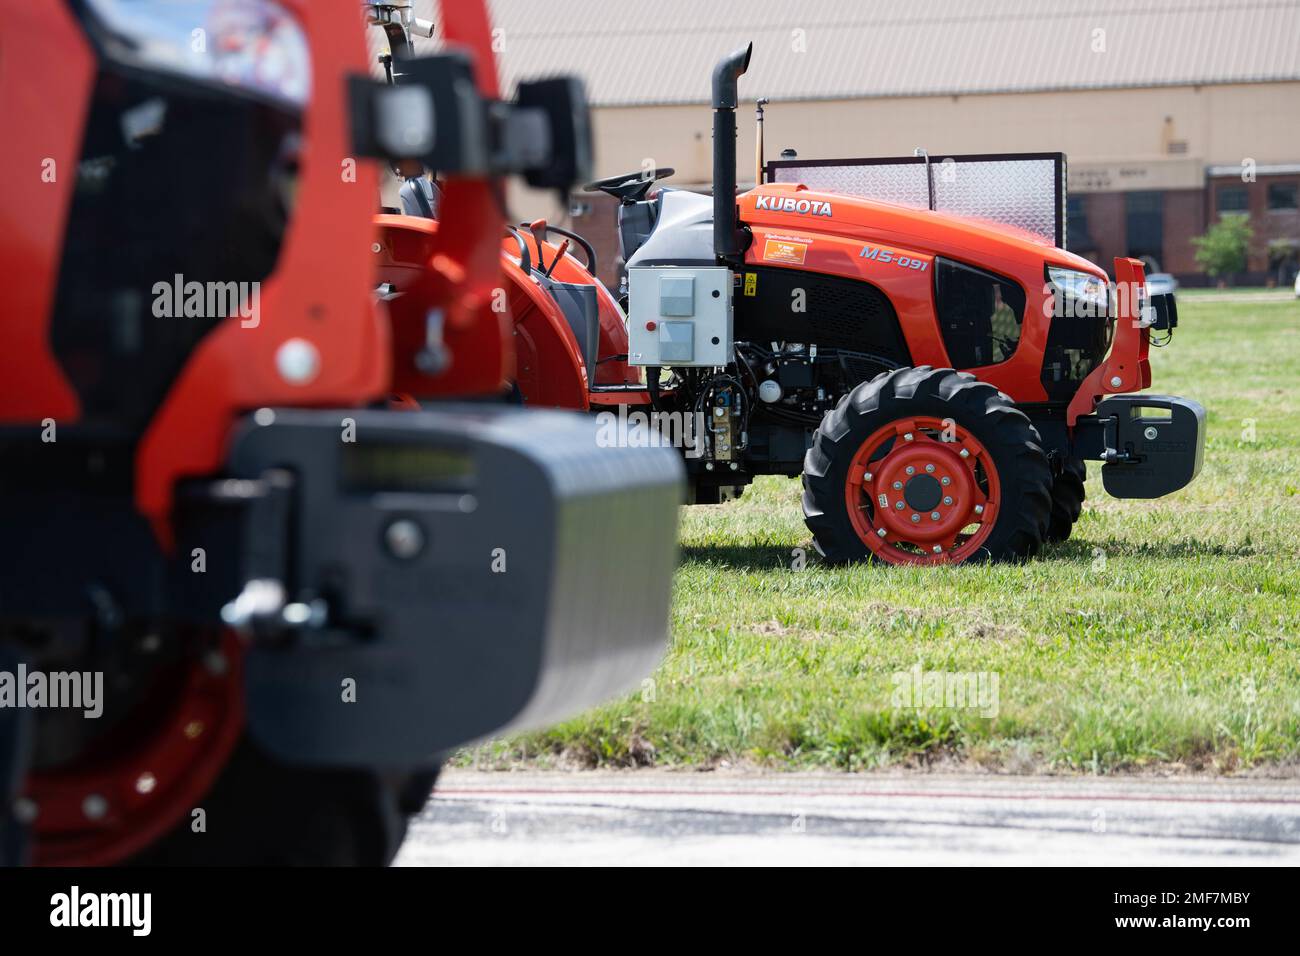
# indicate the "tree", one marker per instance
pixel 1222 250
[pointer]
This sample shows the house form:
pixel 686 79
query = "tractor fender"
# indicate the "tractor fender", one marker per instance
pixel 479 353
pixel 549 367
pixel 613 324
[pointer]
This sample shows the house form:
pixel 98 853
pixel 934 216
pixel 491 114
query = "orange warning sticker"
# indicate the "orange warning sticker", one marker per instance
pixel 782 250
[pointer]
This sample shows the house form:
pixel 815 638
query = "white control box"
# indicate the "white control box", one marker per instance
pixel 679 315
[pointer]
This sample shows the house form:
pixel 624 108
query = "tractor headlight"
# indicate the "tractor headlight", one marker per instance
pixel 254 46
pixel 1078 294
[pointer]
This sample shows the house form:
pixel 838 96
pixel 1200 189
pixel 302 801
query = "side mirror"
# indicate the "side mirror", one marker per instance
pixel 563 103
pixel 435 114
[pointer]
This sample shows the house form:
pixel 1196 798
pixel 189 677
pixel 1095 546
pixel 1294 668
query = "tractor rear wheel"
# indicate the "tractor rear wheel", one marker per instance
pixel 263 812
pixel 1067 499
pixel 926 466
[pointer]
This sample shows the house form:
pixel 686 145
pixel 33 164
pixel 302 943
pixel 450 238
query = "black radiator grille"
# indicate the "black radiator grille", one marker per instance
pixel 838 313
pixel 1076 344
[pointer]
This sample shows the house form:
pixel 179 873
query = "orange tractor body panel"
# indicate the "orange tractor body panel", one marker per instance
pixel 309 541
pixel 43 47
pixel 833 240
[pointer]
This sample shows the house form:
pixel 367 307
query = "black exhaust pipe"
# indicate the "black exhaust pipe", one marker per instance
pixel 726 241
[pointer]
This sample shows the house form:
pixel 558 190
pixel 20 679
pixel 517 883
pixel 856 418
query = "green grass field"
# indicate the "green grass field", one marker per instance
pixel 1163 635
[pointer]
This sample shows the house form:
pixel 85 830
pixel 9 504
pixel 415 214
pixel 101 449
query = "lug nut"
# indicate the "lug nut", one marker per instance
pixel 934 516
pixel 404 539
pixel 899 506
pixel 94 807
pixel 915 518
pixel 898 485
pixel 867 477
pixel 25 810
pixel 907 437
pixel 964 453
pixel 929 469
pixel 937 549
pixel 947 499
pixel 882 532
pixel 979 509
pixel 911 470
pixel 945 480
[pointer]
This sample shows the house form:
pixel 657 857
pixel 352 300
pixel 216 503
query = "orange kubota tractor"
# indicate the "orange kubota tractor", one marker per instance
pixel 251 593
pixel 938 378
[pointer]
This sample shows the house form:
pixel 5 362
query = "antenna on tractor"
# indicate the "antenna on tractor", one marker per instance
pixel 758 139
pixel 929 174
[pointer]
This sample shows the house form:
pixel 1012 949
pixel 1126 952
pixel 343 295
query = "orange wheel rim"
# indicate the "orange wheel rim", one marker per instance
pixel 922 490
pixel 146 789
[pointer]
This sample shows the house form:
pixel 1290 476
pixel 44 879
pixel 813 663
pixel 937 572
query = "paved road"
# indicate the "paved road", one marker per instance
pixel 657 817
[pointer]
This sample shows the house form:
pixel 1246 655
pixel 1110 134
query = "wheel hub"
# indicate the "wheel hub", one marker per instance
pixel 922 492
pixel 915 489
pixel 929 491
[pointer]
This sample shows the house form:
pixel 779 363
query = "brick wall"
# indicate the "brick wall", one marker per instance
pixel 1184 218
pixel 1106 227
pixel 1270 224
pixel 599 226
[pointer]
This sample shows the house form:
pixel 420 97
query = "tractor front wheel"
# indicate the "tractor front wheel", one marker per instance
pixel 926 466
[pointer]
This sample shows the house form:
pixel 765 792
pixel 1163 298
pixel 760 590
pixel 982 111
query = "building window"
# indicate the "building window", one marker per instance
pixel 1233 199
pixel 1282 196
pixel 1144 219
pixel 1076 220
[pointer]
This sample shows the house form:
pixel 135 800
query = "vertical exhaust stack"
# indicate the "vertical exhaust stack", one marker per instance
pixel 726 243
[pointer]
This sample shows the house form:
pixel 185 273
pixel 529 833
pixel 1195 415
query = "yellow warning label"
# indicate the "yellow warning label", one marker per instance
pixel 751 283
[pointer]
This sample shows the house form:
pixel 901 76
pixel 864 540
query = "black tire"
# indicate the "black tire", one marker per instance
pixel 262 812
pixel 1067 499
pixel 988 415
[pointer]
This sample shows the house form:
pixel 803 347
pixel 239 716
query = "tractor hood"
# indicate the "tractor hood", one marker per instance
pixel 683 232
pixel 792 206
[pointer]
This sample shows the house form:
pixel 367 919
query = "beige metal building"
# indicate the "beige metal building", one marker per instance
pixel 1170 111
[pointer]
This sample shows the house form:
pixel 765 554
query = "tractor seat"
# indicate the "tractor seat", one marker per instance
pixel 421 197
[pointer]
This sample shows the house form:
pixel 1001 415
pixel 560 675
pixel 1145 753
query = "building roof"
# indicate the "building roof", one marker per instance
pixel 635 52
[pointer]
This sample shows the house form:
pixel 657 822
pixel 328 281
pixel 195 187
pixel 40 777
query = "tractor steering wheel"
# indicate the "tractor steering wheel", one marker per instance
pixel 630 187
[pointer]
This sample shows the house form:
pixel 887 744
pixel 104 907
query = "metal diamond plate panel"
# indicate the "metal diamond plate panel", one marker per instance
pixel 1026 193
